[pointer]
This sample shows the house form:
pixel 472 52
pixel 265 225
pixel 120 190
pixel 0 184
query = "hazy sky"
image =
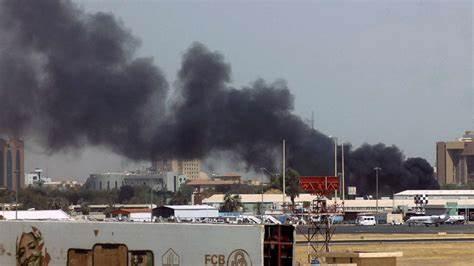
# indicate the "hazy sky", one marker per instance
pixel 397 72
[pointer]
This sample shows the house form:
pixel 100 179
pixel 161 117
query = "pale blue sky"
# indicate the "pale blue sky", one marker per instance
pixel 397 72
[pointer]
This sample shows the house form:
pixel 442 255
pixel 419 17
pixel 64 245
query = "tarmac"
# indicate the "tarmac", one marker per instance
pixel 398 229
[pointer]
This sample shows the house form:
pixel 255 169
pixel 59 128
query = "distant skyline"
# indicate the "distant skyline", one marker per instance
pixel 375 71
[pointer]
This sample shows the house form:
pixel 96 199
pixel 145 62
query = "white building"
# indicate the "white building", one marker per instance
pixel 174 181
pixel 170 181
pixel 36 177
pixel 50 215
pixel 445 194
pixel 186 211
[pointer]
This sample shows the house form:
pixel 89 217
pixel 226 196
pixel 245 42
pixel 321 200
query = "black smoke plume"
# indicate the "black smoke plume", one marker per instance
pixel 72 79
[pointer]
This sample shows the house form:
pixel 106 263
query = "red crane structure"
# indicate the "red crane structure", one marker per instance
pixel 319 231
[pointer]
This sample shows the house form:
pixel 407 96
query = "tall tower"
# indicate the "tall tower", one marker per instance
pixel 12 164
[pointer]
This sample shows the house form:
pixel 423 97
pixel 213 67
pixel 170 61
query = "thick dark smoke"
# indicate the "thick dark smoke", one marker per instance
pixel 396 174
pixel 71 79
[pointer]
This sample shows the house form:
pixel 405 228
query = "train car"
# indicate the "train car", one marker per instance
pixel 45 243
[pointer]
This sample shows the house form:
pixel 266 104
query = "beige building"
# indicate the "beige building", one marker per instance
pixel 455 160
pixel 189 168
pixel 12 164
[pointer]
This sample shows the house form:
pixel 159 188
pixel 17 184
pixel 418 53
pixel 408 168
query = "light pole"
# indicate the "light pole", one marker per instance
pixel 152 189
pixel 343 178
pixel 377 169
pixel 334 140
pixel 335 155
pixel 17 174
pixel 283 170
pixel 261 191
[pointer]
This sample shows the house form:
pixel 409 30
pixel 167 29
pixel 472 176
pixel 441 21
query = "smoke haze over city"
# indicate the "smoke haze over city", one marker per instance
pixel 71 79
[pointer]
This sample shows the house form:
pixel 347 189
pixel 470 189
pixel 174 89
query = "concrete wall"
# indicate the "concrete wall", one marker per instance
pixel 182 244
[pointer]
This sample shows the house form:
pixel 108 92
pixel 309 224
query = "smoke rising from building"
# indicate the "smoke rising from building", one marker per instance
pixel 72 79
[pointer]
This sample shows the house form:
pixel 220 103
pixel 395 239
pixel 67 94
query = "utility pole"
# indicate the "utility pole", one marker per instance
pixel 377 169
pixel 343 179
pixel 17 174
pixel 261 199
pixel 283 174
pixel 151 203
pixel 335 156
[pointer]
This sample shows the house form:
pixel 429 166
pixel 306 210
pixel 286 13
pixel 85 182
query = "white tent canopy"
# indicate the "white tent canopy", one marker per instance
pixel 57 215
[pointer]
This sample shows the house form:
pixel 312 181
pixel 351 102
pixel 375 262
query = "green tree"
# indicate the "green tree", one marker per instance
pixel 292 182
pixel 85 210
pixel 57 203
pixel 125 194
pixel 232 203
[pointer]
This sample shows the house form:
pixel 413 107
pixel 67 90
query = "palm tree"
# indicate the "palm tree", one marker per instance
pixel 293 187
pixel 232 203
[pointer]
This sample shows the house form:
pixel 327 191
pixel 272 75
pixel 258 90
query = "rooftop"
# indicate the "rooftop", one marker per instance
pixel 190 207
pixel 206 182
pixel 435 192
pixel 36 215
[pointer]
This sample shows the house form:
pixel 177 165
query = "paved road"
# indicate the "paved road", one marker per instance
pixel 401 229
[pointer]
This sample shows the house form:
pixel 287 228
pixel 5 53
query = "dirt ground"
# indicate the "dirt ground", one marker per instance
pixel 419 253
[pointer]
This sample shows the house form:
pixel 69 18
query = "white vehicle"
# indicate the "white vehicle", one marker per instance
pixel 268 219
pixel 395 218
pixel 427 220
pixel 455 219
pixel 366 220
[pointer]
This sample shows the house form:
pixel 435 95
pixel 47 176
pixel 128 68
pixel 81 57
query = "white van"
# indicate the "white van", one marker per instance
pixel 366 220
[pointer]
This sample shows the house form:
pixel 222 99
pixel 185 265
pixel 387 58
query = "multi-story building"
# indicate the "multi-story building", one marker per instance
pixel 12 164
pixel 36 178
pixel 455 160
pixel 189 168
pixel 169 181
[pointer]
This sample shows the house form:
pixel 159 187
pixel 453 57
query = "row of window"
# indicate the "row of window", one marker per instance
pixel 11 173
pixel 108 185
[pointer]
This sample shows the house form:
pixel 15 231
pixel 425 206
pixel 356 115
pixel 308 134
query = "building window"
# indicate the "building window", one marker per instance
pixel 100 185
pixel 116 184
pixel 108 185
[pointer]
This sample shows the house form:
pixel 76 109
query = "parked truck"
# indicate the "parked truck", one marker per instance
pixel 395 218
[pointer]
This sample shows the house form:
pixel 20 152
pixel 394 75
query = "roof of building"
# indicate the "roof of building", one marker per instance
pixel 122 206
pixel 252 198
pixel 207 182
pixel 445 192
pixel 128 211
pixel 189 207
pixel 352 203
pixel 36 215
pixel 229 175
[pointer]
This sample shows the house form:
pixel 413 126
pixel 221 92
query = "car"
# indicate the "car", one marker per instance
pixel 366 220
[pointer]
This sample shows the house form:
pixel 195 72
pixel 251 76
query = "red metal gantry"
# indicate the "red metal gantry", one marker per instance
pixel 320 229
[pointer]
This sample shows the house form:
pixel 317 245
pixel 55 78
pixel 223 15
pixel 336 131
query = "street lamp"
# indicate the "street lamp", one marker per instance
pixel 342 175
pixel 335 155
pixel 261 191
pixel 334 139
pixel 377 169
pixel 17 174
pixel 283 162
